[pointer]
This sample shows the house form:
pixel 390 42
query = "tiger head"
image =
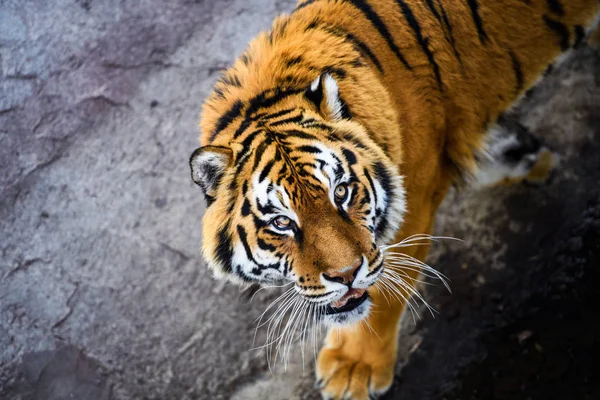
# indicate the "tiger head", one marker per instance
pixel 303 194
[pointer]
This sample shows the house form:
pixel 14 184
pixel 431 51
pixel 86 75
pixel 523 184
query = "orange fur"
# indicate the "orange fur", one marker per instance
pixel 424 97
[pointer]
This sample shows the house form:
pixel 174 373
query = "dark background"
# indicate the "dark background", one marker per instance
pixel 103 294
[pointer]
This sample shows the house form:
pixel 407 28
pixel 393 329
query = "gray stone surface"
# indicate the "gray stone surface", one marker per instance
pixel 103 294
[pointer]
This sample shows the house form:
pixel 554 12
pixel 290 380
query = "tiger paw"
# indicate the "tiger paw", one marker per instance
pixel 349 368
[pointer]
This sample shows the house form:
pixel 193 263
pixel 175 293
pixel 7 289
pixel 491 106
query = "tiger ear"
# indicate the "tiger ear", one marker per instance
pixel 325 94
pixel 208 164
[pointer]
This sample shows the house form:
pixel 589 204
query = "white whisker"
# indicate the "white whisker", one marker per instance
pixel 268 287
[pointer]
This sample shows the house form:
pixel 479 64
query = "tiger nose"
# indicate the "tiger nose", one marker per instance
pixel 345 275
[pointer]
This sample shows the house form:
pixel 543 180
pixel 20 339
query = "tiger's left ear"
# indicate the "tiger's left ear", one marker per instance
pixel 208 164
pixel 325 94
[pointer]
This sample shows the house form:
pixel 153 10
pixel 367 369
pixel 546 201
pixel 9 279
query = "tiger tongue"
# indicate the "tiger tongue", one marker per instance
pixel 351 294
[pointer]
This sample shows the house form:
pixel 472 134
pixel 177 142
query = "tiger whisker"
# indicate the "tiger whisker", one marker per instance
pixel 396 278
pixel 284 298
pixel 274 326
pixel 303 335
pixel 268 287
pixel 280 298
pixel 274 332
pixel 288 334
pixel 406 265
pixel 301 329
pixel 410 241
pixel 407 300
pixel 288 331
pixel 412 279
pixel 407 262
pixel 295 319
pixel 398 295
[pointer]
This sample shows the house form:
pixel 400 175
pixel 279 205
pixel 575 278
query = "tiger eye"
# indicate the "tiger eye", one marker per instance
pixel 282 222
pixel 341 191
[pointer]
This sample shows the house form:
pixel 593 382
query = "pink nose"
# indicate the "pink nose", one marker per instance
pixel 345 275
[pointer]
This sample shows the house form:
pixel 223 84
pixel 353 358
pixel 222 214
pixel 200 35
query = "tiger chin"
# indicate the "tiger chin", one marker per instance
pixel 340 131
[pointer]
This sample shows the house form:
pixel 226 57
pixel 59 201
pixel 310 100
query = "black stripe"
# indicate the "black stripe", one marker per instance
pixel 219 92
pixel 240 165
pixel 227 118
pixel 231 80
pixel 246 208
pixel 269 98
pixel 560 29
pixel 376 269
pixel 259 223
pixel 242 128
pixel 264 245
pixel 357 142
pixel 301 135
pixel 244 239
pixel 312 123
pixel 516 64
pixel 372 16
pixel 309 149
pixel 385 181
pixel 297 118
pixel 224 251
pixel 340 72
pixel 300 6
pixel 277 114
pixel 265 99
pixel 356 42
pixel 245 59
pixel 365 50
pixel 474 6
pixel 556 7
pixel 267 209
pixel 433 10
pixel 450 36
pixel 423 42
pixel 246 143
pixel 368 176
pixel 293 61
pixel 349 156
pixel 579 35
pixel 258 153
pixel 266 171
pixel 299 236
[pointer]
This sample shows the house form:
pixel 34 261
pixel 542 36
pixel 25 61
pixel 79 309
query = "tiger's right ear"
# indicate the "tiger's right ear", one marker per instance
pixel 208 164
pixel 325 94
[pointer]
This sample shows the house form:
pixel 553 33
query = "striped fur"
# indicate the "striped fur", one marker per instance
pixel 390 99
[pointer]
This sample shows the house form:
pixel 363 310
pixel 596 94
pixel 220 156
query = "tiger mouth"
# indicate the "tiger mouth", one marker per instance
pixel 350 301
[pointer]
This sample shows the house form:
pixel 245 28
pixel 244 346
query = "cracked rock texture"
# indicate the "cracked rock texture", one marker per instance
pixel 103 294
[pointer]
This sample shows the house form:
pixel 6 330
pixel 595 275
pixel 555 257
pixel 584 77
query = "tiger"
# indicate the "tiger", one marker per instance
pixel 337 134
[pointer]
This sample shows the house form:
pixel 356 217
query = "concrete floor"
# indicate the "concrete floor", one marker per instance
pixel 103 294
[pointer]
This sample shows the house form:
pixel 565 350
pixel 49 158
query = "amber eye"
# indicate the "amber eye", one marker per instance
pixel 282 222
pixel 341 192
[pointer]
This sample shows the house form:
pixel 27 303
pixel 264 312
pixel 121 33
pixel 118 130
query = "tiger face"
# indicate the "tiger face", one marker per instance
pixel 303 195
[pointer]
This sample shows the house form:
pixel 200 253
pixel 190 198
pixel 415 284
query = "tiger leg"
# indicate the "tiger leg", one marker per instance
pixel 514 155
pixel 359 362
